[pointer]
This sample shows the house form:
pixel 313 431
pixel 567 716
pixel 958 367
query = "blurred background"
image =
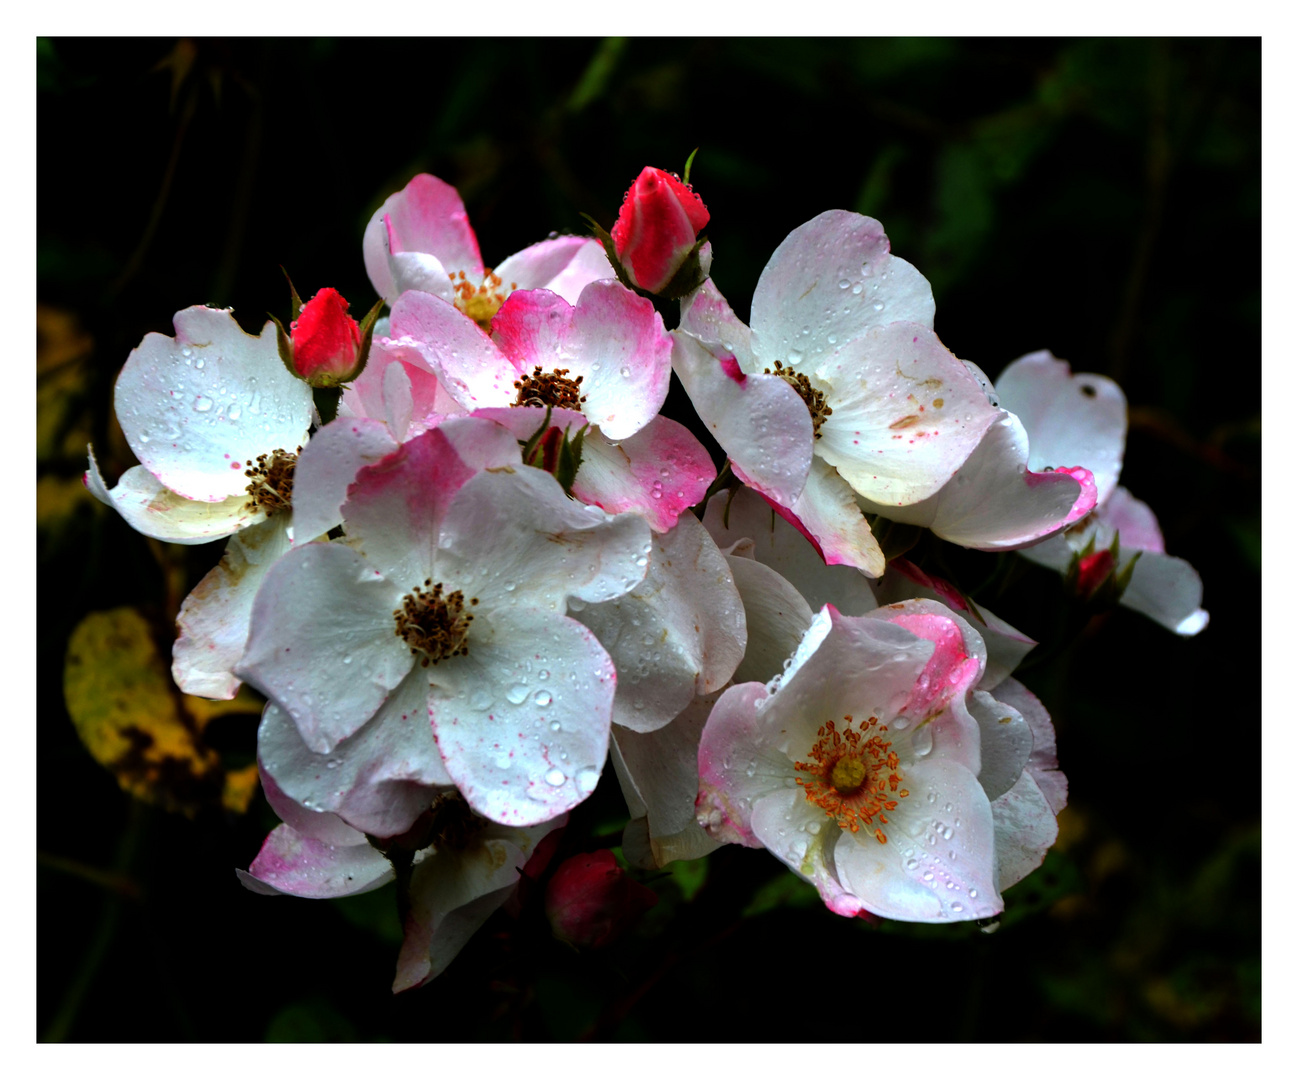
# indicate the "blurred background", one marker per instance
pixel 1099 198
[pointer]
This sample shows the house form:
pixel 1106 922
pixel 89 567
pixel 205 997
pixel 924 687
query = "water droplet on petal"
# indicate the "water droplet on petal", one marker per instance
pixel 542 698
pixel 516 694
pixel 587 779
pixel 555 777
pixel 202 404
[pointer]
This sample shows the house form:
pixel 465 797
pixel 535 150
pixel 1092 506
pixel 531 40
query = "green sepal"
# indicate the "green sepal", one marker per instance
pixel 570 459
pixel 685 176
pixel 285 345
pixel 326 402
pixel 531 448
pixel 297 300
pixel 690 275
pixel 610 249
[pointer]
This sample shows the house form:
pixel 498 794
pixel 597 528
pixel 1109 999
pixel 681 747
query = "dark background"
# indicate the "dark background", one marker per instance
pixel 1098 198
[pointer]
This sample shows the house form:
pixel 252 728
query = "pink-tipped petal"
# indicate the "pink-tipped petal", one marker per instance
pixel 759 420
pixel 826 511
pixel 833 278
pixel 466 361
pixel 564 265
pixel 993 502
pixel 1070 419
pixel 301 866
pixel 427 215
pixel 327 466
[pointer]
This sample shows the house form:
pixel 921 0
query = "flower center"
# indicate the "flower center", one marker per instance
pixel 270 481
pixel 555 389
pixel 853 775
pixel 433 624
pixel 814 398
pixel 480 302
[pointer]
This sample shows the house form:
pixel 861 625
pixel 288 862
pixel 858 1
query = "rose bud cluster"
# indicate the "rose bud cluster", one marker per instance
pixel 500 569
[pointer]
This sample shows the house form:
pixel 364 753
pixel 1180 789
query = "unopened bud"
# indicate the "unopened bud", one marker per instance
pixel 657 230
pixel 591 901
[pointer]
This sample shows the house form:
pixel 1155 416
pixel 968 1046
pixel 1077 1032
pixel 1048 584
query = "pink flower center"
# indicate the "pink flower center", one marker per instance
pixel 433 624
pixel 853 775
pixel 815 399
pixel 554 389
pixel 270 481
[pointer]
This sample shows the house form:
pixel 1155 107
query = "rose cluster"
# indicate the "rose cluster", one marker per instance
pixel 469 562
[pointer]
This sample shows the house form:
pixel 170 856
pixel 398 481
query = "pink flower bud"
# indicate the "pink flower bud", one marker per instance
pixel 326 340
pixel 656 228
pixel 591 901
pixel 1092 570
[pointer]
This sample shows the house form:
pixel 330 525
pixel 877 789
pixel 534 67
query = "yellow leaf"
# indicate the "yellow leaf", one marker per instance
pixel 125 710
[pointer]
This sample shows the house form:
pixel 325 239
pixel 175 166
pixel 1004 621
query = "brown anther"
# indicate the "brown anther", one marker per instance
pixel 435 626
pixel 270 481
pixel 815 399
pixel 556 389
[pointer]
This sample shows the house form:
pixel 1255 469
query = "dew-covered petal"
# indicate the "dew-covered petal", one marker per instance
pixel 776 616
pixel 563 265
pixel 1005 741
pixel 826 513
pixel 1070 419
pixel 706 315
pixel 323 641
pixel 1026 829
pixel 830 281
pixel 467 363
pixel 156 511
pixel 759 420
pixel 677 634
pixel 452 893
pixel 659 774
pixel 612 339
pixel 1006 646
pixel 215 617
pixel 329 828
pixel 799 833
pixel 513 537
pixel 659 472
pixel 942 834
pixel 1043 764
pixel 732 743
pixel 301 866
pixel 523 719
pixel 381 394
pixel 396 507
pixel 199 408
pixel 378 780
pixel 417 271
pixel 326 467
pixel 907 413
pixel 994 502
pixel 426 215
pixel 743 514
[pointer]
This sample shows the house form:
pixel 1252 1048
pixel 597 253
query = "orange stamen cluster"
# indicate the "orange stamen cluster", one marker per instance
pixel 853 775
pixel 480 302
pixel 815 399
pixel 555 389
pixel 434 624
pixel 270 481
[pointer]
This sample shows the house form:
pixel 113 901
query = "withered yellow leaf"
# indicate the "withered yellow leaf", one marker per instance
pixel 125 710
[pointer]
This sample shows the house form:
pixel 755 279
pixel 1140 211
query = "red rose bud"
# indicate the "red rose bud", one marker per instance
pixel 591 902
pixel 1092 570
pixel 326 340
pixel 656 228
